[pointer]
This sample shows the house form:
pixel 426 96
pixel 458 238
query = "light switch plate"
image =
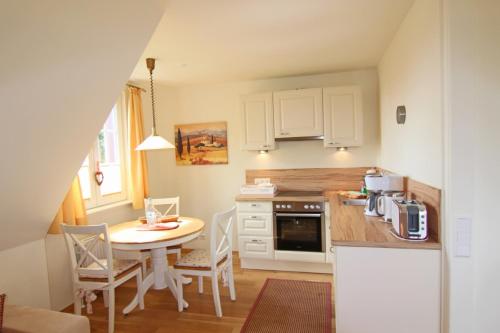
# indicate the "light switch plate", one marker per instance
pixel 463 237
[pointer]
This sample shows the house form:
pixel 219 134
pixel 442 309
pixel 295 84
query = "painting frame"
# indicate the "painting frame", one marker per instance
pixel 201 143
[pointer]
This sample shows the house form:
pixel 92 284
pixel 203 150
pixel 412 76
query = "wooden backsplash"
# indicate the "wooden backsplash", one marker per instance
pixel 311 179
pixel 334 179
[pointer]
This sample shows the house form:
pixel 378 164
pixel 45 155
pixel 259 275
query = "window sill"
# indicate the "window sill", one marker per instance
pixel 98 209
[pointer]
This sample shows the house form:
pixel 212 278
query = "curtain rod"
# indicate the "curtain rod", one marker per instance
pixel 131 85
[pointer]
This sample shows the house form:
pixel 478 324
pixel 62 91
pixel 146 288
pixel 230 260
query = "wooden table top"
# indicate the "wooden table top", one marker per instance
pixel 351 227
pixel 127 233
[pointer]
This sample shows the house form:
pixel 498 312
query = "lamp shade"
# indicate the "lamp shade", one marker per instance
pixel 154 142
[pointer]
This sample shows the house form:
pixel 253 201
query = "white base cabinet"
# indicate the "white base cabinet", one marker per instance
pixel 387 290
pixel 256 242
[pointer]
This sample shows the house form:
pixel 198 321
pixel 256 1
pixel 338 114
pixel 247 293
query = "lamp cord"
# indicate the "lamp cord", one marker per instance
pixel 152 100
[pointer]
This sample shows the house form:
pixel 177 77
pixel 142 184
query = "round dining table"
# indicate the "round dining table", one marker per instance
pixel 132 236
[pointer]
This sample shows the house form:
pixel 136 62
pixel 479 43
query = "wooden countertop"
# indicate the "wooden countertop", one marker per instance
pixel 246 197
pixel 351 227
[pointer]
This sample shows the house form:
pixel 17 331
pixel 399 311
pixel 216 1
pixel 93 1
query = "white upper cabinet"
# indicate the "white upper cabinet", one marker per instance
pixel 343 116
pixel 298 113
pixel 257 116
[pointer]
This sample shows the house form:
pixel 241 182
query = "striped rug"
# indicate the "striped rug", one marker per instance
pixel 291 306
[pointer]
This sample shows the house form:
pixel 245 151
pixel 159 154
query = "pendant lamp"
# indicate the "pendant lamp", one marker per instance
pixel 154 141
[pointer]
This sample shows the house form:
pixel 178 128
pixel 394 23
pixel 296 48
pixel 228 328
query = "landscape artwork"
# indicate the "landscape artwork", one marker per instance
pixel 201 144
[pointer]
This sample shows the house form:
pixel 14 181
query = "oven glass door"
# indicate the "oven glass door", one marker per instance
pixel 298 232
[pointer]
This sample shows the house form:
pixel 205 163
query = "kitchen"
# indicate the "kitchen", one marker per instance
pixel 376 140
pixel 315 122
pixel 335 220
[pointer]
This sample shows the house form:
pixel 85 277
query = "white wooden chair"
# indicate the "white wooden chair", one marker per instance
pixel 172 207
pixel 91 273
pixel 210 263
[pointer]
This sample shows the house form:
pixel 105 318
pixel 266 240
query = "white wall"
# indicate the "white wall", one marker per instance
pixel 63 65
pixel 23 275
pixel 472 159
pixel 205 190
pixel 411 74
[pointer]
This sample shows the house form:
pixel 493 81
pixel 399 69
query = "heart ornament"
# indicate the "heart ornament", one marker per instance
pixel 99 177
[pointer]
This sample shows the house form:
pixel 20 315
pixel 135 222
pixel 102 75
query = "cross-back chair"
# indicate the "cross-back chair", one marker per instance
pixel 93 267
pixel 219 259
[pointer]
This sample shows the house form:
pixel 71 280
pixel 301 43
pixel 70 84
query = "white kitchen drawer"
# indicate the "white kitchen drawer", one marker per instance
pixel 255 206
pixel 255 224
pixel 256 247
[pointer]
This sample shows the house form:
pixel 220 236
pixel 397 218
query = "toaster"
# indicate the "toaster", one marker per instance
pixel 409 219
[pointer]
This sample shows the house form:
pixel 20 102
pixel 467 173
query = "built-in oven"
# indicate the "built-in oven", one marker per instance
pixel 299 226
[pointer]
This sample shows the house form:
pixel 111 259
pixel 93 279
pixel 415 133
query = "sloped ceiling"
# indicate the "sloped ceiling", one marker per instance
pixel 228 40
pixel 62 66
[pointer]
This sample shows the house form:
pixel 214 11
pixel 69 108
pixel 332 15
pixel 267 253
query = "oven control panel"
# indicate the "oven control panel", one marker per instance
pixel 298 206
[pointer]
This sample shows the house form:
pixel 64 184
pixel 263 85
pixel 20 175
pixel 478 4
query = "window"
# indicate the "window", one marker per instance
pixel 105 163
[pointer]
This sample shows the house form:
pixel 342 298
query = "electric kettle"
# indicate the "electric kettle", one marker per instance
pixel 384 204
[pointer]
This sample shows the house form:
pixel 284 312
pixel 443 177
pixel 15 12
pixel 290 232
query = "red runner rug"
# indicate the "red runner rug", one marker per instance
pixel 291 306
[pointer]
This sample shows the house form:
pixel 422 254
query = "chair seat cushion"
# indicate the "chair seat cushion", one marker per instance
pixel 119 266
pixel 196 259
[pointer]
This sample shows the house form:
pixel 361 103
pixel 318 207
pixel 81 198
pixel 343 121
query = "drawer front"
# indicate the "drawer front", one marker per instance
pixel 255 206
pixel 256 247
pixel 255 224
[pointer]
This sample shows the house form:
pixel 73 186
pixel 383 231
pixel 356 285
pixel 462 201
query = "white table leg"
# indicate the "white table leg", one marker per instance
pixel 159 262
pixel 146 284
pixel 172 285
pixel 160 278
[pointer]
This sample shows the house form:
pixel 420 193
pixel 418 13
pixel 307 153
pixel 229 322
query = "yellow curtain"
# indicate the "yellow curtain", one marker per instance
pixel 72 210
pixel 138 169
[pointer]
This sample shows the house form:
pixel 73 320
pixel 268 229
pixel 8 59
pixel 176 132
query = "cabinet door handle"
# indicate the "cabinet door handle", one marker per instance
pixel 265 146
pixel 254 205
pixel 284 133
pixel 256 241
pixel 253 217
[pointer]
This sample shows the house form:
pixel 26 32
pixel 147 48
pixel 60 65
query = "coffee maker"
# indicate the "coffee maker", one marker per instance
pixel 377 185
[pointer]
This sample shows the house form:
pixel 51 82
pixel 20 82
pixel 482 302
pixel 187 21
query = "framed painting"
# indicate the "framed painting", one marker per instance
pixel 201 144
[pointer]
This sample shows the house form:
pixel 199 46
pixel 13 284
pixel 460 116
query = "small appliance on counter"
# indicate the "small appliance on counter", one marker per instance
pixel 384 204
pixel 409 219
pixel 376 185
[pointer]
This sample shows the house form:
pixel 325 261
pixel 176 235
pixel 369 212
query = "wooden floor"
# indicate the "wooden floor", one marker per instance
pixel 161 316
